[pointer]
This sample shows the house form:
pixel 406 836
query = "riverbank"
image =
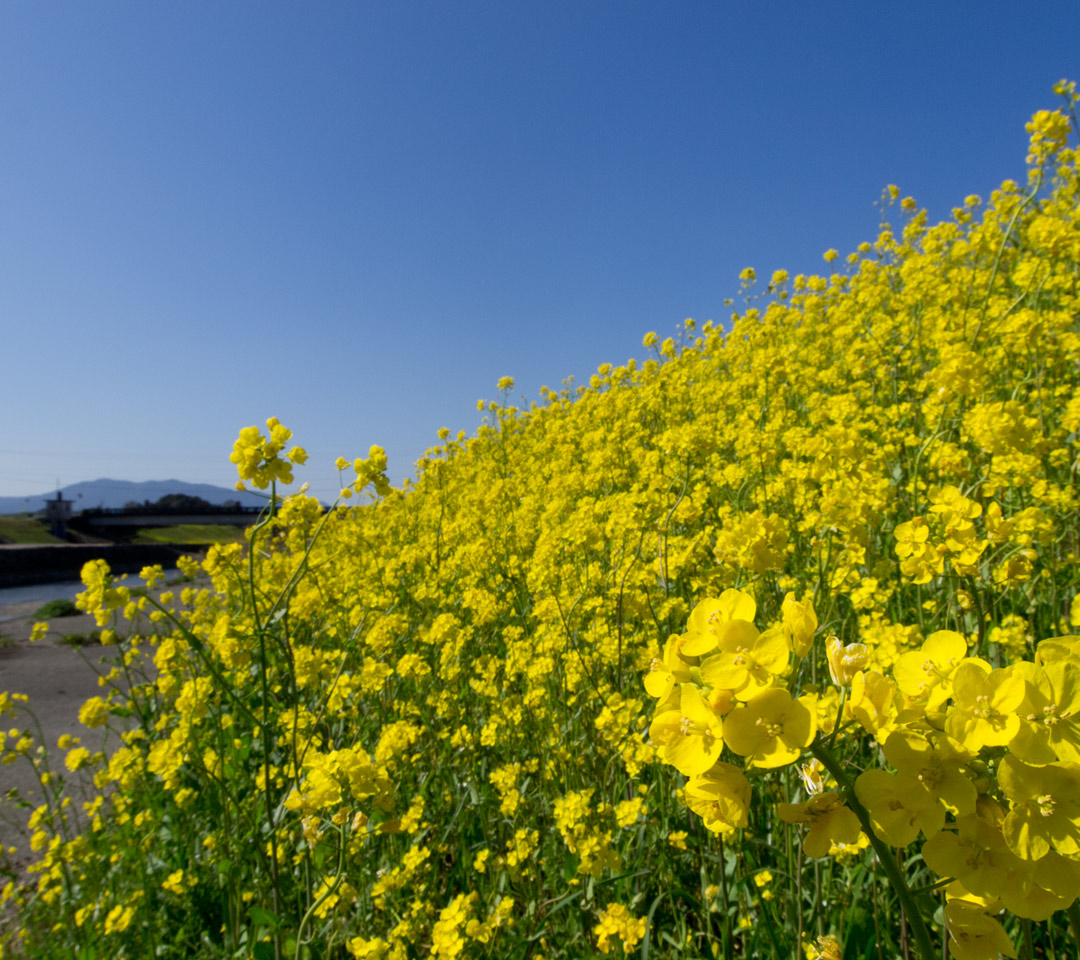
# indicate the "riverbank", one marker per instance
pixel 28 563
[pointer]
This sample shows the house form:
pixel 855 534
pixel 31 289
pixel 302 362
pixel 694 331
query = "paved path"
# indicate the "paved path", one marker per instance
pixel 58 679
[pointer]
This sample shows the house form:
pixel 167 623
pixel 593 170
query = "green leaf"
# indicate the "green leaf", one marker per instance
pixel 858 932
pixel 648 928
pixel 262 917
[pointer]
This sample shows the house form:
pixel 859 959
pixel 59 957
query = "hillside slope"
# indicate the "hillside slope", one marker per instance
pixel 834 543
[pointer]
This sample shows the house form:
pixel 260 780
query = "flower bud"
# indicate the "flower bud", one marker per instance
pixel 845 661
pixel 800 622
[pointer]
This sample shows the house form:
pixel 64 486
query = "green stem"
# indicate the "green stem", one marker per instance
pixel 944 936
pixel 1073 913
pixel 265 719
pixel 726 930
pixel 1001 250
pixel 1029 945
pixel 325 895
pixel 839 715
pixel 884 854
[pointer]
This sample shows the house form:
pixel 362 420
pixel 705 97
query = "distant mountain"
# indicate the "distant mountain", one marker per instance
pixel 115 493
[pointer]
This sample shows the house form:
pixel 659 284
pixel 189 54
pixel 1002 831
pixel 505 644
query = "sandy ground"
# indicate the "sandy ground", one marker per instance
pixel 58 679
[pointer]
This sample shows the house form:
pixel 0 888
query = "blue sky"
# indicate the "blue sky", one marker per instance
pixel 358 216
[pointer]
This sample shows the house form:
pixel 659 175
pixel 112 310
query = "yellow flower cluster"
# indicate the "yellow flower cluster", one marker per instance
pixel 616 922
pixel 986 760
pixel 258 459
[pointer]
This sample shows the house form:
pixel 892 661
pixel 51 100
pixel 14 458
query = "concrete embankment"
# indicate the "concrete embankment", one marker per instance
pixel 36 563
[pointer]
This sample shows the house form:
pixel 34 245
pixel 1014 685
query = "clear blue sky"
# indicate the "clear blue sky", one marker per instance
pixel 358 216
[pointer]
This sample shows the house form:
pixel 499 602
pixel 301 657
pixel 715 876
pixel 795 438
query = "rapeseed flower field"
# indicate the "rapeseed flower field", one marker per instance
pixel 759 647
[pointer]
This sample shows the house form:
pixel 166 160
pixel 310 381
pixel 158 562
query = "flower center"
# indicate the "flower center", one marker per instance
pixel 688 728
pixel 771 728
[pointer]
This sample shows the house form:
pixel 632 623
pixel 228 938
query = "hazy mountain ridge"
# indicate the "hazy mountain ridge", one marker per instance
pixel 113 494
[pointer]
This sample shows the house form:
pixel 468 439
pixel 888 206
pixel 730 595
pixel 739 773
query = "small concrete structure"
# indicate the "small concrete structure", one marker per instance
pixel 57 514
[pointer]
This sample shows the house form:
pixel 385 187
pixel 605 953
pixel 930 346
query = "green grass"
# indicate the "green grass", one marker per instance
pixel 81 639
pixel 25 530
pixel 56 608
pixel 191 533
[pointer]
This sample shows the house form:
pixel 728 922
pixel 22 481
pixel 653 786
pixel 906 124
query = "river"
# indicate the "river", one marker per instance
pixel 61 590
